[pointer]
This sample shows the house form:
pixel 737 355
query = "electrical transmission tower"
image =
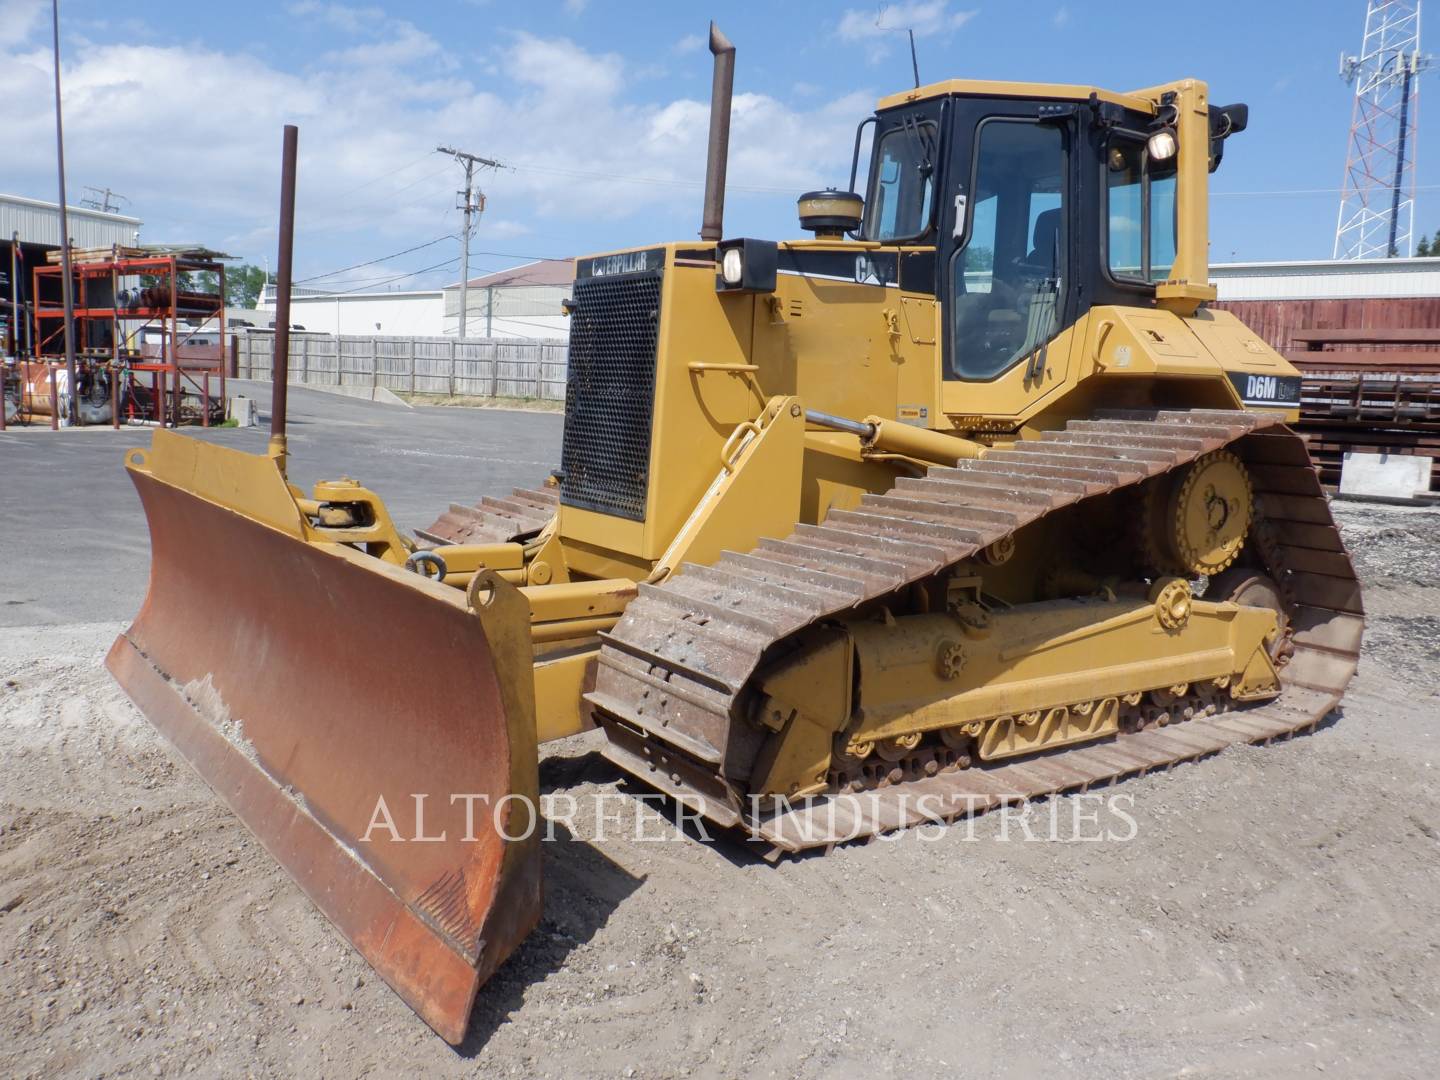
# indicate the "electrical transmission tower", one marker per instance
pixel 1377 204
pixel 471 202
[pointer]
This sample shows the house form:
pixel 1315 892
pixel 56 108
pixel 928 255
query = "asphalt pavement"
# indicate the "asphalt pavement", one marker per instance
pixel 73 541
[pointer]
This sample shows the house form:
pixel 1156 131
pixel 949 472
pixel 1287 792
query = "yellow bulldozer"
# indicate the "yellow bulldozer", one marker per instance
pixel 970 498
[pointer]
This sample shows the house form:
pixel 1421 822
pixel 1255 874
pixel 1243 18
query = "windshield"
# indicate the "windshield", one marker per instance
pixel 1007 278
pixel 903 185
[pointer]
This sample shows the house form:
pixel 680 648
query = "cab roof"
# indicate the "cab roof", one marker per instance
pixel 998 89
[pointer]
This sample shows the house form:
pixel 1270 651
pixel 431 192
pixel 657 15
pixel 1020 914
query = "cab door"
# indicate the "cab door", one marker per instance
pixel 1007 283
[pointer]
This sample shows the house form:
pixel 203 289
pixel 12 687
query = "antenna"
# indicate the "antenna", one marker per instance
pixel 880 25
pixel 102 200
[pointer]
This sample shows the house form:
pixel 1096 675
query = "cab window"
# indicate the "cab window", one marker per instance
pixel 1140 192
pixel 903 187
pixel 1006 279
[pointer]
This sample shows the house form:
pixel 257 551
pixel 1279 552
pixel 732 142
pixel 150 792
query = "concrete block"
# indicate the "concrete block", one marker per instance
pixel 242 411
pixel 1385 476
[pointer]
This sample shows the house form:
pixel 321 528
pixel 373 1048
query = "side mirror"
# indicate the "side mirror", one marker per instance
pixel 1225 120
pixel 1229 120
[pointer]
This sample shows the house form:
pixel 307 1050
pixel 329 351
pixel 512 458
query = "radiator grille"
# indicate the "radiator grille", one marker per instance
pixel 609 394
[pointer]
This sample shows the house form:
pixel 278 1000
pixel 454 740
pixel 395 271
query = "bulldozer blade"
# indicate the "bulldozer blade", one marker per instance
pixel 373 729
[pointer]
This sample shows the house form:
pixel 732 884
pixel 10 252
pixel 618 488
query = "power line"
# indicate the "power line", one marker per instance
pixel 401 277
pixel 382 258
pixel 1303 191
pixel 384 176
pixel 659 181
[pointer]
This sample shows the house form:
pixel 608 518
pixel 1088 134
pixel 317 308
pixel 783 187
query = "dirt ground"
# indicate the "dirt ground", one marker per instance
pixel 1276 912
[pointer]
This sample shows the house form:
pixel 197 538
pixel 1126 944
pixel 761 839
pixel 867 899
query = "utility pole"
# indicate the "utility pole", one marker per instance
pixel 472 202
pixel 66 282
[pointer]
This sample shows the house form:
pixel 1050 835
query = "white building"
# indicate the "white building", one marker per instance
pixel 523 302
pixel 519 303
pixel 383 314
pixel 1327 279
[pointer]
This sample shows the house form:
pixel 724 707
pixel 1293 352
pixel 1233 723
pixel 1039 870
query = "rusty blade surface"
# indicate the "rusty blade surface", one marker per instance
pixel 326 696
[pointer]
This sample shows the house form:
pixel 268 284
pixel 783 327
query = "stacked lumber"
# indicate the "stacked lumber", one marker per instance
pixel 111 252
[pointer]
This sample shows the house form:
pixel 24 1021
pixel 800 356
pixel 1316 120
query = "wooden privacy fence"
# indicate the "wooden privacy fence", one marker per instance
pixel 475 367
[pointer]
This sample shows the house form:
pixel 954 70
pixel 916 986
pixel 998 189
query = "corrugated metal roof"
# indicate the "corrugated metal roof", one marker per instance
pixel 540 272
pixel 38 222
pixel 1327 279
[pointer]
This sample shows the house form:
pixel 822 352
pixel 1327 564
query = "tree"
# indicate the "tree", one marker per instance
pixel 243 284
pixel 1423 248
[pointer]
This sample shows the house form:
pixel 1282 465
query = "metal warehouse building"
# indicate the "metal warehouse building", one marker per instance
pixel 1275 299
pixel 30 227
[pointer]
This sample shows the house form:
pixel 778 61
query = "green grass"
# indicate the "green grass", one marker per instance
pixel 465 401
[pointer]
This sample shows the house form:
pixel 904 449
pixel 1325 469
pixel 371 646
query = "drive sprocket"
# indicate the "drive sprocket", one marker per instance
pixel 1195 522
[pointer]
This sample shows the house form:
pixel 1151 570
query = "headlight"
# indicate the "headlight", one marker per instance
pixel 732 267
pixel 746 266
pixel 1162 145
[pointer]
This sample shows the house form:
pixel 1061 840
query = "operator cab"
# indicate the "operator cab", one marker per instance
pixel 1037 203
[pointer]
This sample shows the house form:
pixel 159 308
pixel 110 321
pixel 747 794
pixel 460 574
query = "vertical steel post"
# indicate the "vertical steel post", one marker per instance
pixel 175 342
pixel 280 364
pixel 1390 248
pixel 54 400
pixel 14 296
pixel 65 281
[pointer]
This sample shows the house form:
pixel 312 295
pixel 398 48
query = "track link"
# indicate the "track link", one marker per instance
pixel 491 520
pixel 672 677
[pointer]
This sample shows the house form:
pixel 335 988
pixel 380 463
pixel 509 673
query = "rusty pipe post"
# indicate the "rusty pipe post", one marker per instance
pixel 280 364
pixel 712 227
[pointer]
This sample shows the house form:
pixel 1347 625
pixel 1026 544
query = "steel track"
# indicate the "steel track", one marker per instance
pixel 491 520
pixel 672 681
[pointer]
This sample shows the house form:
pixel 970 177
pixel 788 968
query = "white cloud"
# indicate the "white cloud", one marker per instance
pixel 19 19
pixel 587 141
pixel 575 7
pixel 1061 18
pixel 925 17
pixel 881 29
pixel 352 19
pixel 563 71
pixel 688 44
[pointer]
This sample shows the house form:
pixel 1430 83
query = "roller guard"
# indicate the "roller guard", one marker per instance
pixel 306 682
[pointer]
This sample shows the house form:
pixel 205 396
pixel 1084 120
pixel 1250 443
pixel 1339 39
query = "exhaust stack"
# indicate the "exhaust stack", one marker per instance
pixel 712 227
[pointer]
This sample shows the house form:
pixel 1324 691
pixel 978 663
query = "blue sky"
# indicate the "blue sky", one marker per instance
pixel 601 108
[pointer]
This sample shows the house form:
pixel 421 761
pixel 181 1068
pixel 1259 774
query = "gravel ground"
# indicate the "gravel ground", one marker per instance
pixel 1276 912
